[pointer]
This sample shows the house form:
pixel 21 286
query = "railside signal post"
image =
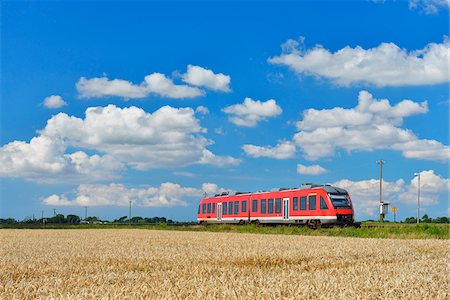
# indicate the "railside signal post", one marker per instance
pixel 394 210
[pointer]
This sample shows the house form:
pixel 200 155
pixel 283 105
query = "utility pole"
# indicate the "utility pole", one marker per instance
pixel 43 222
pixel 129 213
pixel 54 212
pixel 381 162
pixel 418 196
pixel 85 212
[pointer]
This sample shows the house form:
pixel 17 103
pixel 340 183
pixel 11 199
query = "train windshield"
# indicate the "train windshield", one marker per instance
pixel 340 200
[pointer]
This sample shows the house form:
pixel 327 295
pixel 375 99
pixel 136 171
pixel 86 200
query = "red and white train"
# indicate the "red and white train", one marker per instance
pixel 312 205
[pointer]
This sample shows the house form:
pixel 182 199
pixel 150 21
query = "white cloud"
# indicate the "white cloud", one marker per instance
pixel 250 112
pixel 202 110
pixel 431 185
pixel 155 83
pixel 429 6
pixel 384 65
pixel 371 125
pixel 310 170
pixel 43 159
pixel 159 84
pixel 209 158
pixel 202 77
pixel 212 189
pixel 54 101
pixel 184 174
pixel 365 193
pixel 282 150
pixel 167 194
pixel 168 137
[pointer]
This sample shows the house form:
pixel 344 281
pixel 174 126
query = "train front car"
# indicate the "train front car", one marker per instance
pixel 311 204
pixel 342 204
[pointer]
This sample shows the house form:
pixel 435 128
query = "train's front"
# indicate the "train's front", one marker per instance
pixel 343 206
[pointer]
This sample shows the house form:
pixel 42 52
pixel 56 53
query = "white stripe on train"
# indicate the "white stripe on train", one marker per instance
pixel 327 219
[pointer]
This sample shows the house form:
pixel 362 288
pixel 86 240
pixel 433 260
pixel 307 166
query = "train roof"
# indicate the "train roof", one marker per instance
pixel 328 188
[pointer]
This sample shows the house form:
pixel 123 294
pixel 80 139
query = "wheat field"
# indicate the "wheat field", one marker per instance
pixel 147 264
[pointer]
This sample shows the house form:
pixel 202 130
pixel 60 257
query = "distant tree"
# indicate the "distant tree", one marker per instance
pixel 441 220
pixel 136 220
pixel 426 219
pixel 411 220
pixel 58 219
pixel 30 221
pixel 73 219
pixel 122 219
pixel 8 221
pixel 92 219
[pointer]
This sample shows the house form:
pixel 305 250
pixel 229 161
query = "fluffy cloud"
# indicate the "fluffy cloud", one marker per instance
pixel 282 150
pixel 371 125
pixel 43 159
pixel 365 195
pixel 429 6
pixel 54 101
pixel 211 189
pixel 155 83
pixel 202 110
pixel 431 185
pixel 251 112
pixel 310 170
pixel 168 137
pixel 384 65
pixel 202 77
pixel 167 194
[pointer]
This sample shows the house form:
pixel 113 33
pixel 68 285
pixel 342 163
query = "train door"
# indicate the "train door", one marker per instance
pixel 219 211
pixel 285 208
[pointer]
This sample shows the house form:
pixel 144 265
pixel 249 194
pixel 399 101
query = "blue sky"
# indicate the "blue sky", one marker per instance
pixel 303 65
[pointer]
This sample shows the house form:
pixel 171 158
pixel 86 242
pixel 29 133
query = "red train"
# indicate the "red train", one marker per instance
pixel 312 205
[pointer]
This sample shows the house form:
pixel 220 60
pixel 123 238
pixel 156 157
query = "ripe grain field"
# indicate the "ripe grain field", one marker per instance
pixel 135 263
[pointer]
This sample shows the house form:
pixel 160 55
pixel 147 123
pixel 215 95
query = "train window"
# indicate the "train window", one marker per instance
pixel 244 206
pixel 323 204
pixel 204 208
pixel 213 208
pixel 295 203
pixel 278 205
pixel 263 206
pixel 209 208
pixel 312 202
pixel 199 208
pixel 303 203
pixel 230 207
pixel 270 206
pixel 236 207
pixel 225 208
pixel 255 206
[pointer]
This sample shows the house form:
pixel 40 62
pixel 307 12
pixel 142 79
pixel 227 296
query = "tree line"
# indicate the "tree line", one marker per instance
pixel 74 219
